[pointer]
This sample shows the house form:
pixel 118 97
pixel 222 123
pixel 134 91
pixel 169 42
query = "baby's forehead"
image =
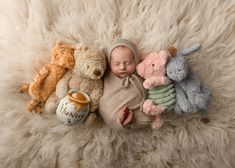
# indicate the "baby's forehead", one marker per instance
pixel 121 48
pixel 121 52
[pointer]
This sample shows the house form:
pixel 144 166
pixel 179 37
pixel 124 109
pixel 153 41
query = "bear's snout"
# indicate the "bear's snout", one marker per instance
pixel 97 72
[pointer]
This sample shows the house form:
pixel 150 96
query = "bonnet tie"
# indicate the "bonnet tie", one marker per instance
pixel 126 81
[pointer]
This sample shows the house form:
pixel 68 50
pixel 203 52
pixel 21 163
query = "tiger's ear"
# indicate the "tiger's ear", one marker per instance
pixel 172 51
pixel 73 47
pixel 58 43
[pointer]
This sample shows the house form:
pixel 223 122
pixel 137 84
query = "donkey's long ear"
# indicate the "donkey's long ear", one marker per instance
pixel 193 48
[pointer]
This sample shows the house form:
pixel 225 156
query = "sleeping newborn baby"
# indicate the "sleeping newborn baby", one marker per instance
pixel 123 97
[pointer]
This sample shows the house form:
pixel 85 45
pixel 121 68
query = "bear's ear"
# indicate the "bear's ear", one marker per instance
pixel 81 46
pixel 104 50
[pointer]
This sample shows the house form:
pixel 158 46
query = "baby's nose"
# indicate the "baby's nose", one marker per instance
pixel 97 72
pixel 122 66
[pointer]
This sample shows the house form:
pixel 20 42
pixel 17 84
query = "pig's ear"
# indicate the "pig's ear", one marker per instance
pixel 146 56
pixel 142 57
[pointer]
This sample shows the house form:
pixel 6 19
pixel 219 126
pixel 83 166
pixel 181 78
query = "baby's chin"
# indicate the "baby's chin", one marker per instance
pixel 122 75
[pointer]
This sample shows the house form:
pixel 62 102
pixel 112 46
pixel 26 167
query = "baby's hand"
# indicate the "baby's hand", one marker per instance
pixel 125 116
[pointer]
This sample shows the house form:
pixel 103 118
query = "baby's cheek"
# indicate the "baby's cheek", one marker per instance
pixel 113 68
pixel 131 69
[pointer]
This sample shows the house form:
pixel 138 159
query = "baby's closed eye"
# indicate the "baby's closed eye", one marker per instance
pixel 116 63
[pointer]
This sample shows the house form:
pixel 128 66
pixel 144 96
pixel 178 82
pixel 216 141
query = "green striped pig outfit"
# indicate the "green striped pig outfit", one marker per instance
pixel 163 95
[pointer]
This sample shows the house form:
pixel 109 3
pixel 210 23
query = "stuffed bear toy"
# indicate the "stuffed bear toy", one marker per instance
pixel 90 65
pixel 160 89
pixel 191 94
pixel 44 83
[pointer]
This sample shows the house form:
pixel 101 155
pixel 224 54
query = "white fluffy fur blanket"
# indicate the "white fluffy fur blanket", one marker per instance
pixel 28 31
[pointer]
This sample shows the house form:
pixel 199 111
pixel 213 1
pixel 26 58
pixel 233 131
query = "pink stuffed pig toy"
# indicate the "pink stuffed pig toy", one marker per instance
pixel 153 70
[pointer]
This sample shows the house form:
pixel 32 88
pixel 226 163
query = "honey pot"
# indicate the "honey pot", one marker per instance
pixel 73 108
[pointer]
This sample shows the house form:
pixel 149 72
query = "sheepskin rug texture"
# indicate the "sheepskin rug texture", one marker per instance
pixel 30 28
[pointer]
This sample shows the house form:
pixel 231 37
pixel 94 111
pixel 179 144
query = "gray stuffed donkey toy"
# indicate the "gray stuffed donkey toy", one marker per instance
pixel 191 94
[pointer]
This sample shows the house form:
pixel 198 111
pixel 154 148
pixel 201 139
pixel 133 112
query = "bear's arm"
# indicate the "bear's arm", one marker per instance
pixel 96 94
pixel 62 85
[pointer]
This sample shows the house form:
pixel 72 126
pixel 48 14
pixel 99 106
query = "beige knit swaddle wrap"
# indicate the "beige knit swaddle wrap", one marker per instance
pixel 119 93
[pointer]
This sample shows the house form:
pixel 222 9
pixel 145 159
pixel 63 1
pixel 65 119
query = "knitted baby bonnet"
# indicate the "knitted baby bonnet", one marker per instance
pixel 126 43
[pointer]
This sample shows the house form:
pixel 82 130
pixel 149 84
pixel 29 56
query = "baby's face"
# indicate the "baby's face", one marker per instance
pixel 122 62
